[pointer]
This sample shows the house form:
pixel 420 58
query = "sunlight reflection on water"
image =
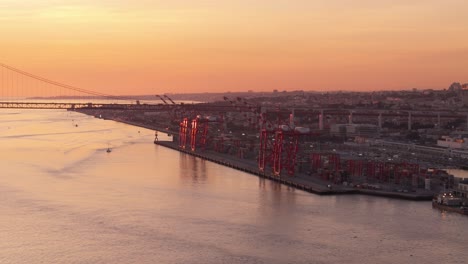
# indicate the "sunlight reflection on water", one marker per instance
pixel 65 200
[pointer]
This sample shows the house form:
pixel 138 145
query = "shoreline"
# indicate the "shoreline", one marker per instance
pixel 301 182
pixel 296 182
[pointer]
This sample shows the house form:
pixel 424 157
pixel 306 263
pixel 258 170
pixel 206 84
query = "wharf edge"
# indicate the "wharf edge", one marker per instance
pixel 305 187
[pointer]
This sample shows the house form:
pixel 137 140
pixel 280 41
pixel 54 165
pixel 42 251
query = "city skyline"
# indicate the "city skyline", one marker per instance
pixel 120 47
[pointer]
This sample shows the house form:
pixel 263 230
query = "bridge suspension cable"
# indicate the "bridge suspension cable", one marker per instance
pixel 62 85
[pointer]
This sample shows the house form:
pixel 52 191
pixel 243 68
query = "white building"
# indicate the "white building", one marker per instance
pixel 462 189
pixel 459 142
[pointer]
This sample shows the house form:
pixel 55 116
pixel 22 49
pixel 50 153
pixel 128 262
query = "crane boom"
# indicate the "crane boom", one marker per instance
pixel 162 99
pixel 168 98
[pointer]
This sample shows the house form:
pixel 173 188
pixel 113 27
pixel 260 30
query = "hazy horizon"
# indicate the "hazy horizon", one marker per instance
pixel 155 47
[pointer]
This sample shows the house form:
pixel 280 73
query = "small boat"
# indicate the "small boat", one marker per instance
pixel 108 150
pixel 461 210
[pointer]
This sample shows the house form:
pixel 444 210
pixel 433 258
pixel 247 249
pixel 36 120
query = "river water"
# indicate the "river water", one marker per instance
pixel 63 199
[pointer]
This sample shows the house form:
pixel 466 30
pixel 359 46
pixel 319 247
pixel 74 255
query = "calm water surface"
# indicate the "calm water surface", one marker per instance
pixel 63 199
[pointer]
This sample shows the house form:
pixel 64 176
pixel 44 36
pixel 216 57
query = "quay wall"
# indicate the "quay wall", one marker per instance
pixel 300 181
pixel 292 181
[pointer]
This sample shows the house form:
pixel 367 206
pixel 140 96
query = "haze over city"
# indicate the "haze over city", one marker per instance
pixel 239 132
pixel 145 47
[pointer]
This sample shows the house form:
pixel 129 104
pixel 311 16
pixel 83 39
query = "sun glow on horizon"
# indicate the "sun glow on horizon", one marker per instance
pixel 120 47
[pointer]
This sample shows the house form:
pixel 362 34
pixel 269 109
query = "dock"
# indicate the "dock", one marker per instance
pixel 301 181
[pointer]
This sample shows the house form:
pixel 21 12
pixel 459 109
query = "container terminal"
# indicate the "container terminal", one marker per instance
pixel 325 149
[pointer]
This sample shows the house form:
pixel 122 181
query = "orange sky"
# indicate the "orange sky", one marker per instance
pixel 146 47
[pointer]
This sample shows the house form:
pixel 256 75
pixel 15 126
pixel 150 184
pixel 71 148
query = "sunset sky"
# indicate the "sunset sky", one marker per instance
pixel 156 46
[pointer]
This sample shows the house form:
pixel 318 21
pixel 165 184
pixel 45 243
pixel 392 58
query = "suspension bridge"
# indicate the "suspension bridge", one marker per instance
pixel 24 90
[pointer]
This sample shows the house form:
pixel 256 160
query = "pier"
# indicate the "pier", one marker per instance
pixel 320 170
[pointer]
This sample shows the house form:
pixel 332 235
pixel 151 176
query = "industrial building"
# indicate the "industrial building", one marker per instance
pixel 353 130
pixel 459 141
